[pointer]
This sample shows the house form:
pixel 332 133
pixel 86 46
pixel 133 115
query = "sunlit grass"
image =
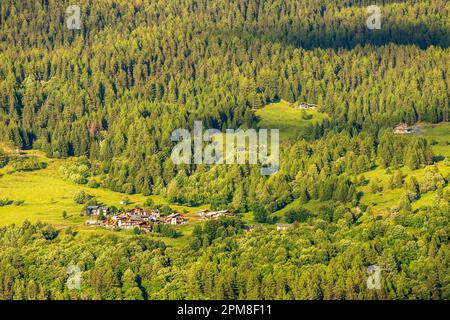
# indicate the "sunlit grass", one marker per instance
pixel 289 120
pixel 47 194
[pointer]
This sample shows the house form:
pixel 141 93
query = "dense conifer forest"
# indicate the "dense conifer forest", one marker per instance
pixel 113 92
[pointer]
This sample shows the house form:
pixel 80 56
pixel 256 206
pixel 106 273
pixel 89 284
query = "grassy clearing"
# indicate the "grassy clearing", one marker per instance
pixel 284 117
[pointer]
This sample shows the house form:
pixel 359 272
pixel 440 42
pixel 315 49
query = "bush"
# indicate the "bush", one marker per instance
pixel 77 178
pixel 5 202
pixel 260 214
pixel 149 203
pixel 82 197
pixel 93 184
pixel 70 231
pixel 3 159
pixel 128 188
pixel 113 210
pixel 297 215
pixel 166 231
pixel 165 210
pixel 28 164
pixel 125 201
pixel 77 171
pixel 49 232
pixel 19 202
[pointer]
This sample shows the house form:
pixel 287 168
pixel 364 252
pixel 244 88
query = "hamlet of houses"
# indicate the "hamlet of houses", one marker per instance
pixel 142 219
pixel 136 218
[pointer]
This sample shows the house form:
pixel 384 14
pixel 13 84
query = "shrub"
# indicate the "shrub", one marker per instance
pixel 298 215
pixel 165 210
pixel 49 232
pixel 5 202
pixel 125 201
pixel 70 231
pixel 3 159
pixel 82 197
pixel 77 171
pixel 166 231
pixel 128 188
pixel 149 202
pixel 93 184
pixel 19 202
pixel 260 213
pixel 28 164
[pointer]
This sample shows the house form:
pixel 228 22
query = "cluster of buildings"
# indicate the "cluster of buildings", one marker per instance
pixel 136 218
pixel 143 220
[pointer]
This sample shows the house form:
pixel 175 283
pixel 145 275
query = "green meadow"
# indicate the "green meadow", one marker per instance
pixel 46 194
pixel 284 116
pixel 381 201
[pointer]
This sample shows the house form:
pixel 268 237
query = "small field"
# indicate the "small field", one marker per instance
pixel 289 120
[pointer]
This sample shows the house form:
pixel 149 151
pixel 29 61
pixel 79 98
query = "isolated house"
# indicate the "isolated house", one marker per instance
pixel 216 214
pixel 155 213
pixel 403 128
pixel 283 226
pixel 306 106
pixel 253 228
pixel 137 211
pixel 146 227
pixel 138 217
pixel 135 218
pixel 110 223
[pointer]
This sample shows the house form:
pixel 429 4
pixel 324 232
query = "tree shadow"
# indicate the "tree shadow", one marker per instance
pixel 299 36
pixel 343 26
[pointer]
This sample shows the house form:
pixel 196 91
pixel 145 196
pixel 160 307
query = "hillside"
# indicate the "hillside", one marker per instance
pixel 111 162
pixel 47 194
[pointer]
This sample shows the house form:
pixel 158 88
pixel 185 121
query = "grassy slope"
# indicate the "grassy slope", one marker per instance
pixel 47 195
pixel 289 120
pixel 388 198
